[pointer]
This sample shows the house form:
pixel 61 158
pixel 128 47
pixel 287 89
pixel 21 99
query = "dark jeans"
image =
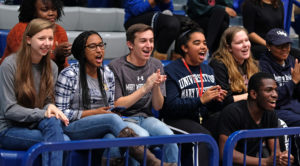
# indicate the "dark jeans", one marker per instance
pixel 214 23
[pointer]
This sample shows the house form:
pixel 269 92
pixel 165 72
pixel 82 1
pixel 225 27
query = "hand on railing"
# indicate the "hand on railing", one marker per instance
pixel 281 159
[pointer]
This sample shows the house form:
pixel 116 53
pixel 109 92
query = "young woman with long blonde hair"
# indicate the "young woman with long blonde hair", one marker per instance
pixel 233 64
pixel 27 79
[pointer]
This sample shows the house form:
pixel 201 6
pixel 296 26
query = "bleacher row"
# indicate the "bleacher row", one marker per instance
pixel 107 21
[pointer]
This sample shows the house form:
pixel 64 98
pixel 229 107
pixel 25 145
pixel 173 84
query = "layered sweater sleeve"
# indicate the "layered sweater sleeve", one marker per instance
pixel 222 79
pixel 14 39
pixel 9 105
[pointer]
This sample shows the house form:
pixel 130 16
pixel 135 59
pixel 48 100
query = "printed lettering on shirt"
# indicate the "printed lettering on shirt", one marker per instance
pixel 138 86
pixel 133 87
pixel 189 80
pixel 192 93
pixel 281 80
pixel 130 87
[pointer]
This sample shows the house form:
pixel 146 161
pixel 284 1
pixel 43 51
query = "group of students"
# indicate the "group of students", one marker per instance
pixel 37 96
pixel 258 17
pixel 83 93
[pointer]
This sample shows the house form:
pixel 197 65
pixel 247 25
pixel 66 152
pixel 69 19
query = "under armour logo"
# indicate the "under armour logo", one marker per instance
pixel 140 78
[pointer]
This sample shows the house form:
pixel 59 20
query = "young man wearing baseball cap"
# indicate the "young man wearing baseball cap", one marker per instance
pixel 286 71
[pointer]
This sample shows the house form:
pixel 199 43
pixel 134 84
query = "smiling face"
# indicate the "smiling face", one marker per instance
pixel 46 10
pixel 40 43
pixel 267 95
pixel 280 52
pixel 240 47
pixel 195 49
pixel 142 46
pixel 94 53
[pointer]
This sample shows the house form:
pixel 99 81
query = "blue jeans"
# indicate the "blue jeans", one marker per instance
pixel 150 126
pixel 18 138
pixel 95 126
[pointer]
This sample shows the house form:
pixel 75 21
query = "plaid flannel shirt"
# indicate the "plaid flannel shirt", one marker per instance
pixel 67 84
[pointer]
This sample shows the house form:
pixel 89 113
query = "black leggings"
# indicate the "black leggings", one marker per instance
pixel 190 126
pixel 166 28
pixel 214 23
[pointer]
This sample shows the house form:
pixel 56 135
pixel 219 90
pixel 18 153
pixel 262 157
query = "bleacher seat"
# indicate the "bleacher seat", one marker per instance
pixel 8 16
pixel 70 19
pixel 14 158
pixel 179 7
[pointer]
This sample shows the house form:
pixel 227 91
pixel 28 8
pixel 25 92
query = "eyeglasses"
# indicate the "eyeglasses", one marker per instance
pixel 94 46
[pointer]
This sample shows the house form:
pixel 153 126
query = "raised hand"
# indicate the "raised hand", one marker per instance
pixel 283 158
pixel 222 95
pixel 211 93
pixel 62 51
pixel 296 72
pixel 154 80
pixel 160 78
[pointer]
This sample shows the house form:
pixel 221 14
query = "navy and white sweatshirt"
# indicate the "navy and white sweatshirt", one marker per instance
pixel 182 95
pixel 287 89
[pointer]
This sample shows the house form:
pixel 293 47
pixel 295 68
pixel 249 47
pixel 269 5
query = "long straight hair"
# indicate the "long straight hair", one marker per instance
pixel 78 51
pixel 24 85
pixel 223 55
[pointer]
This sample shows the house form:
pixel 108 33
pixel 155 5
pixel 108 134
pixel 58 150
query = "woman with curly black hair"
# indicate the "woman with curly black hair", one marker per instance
pixel 51 10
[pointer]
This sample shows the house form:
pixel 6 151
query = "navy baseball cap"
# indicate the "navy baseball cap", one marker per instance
pixel 277 37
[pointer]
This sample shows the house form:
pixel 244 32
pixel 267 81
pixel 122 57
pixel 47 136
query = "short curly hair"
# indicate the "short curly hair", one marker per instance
pixel 27 9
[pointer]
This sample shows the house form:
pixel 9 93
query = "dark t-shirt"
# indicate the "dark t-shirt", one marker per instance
pixel 261 19
pixel 236 116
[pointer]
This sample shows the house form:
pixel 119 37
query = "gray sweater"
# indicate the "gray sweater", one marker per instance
pixel 11 113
